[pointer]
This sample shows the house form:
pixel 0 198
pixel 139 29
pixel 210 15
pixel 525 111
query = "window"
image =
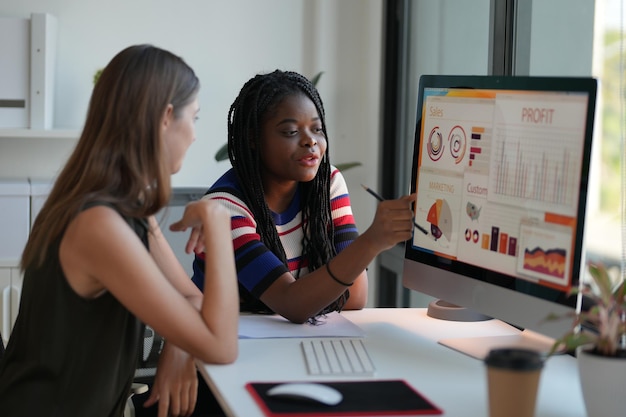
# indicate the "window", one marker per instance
pixel 607 225
pixel 508 37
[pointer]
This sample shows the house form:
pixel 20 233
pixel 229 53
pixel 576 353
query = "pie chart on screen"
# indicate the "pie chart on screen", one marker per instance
pixel 440 219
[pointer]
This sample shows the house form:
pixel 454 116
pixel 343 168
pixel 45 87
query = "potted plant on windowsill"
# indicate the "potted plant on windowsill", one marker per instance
pixel 598 336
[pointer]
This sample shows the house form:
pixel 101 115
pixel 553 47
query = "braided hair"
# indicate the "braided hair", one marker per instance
pixel 259 97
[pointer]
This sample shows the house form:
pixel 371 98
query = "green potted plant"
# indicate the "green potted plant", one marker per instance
pixel 598 337
pixel 606 317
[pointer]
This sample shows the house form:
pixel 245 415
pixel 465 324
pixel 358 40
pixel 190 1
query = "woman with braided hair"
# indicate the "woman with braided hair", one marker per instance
pixel 297 250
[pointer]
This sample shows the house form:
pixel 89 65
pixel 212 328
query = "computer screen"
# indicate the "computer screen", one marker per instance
pixel 500 173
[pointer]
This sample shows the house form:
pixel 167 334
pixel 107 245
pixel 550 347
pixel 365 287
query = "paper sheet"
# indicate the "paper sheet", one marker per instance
pixel 258 326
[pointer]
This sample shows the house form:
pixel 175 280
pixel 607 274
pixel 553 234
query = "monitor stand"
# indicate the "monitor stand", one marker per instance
pixel 443 310
pixel 478 347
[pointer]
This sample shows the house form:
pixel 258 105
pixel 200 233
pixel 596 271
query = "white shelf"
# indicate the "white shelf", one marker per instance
pixel 9 263
pixel 39 133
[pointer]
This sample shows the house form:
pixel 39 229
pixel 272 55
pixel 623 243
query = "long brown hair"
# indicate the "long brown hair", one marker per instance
pixel 119 157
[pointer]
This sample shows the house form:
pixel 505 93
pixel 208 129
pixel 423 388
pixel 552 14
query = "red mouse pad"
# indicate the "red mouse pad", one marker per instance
pixel 360 398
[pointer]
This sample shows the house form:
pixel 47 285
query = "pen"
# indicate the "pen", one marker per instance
pixel 379 198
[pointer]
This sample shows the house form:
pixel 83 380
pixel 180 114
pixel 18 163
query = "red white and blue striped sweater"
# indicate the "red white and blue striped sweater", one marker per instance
pixel 257 266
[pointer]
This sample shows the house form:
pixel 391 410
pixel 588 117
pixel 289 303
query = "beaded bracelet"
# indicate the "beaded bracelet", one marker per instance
pixel 337 280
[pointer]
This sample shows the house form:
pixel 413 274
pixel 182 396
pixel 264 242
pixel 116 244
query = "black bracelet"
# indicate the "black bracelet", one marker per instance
pixel 337 280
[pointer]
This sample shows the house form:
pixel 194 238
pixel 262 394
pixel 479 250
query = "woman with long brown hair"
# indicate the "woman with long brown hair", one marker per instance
pixel 97 266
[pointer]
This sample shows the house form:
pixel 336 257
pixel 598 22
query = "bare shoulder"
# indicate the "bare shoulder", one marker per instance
pixel 91 221
pixel 98 246
pixel 97 229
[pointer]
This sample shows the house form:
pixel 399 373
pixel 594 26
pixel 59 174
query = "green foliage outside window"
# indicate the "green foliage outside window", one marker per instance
pixel 610 192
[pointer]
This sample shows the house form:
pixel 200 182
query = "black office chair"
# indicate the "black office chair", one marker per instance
pixel 147 359
pixel 149 351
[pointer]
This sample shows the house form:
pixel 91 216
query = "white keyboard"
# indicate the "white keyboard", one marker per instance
pixel 337 356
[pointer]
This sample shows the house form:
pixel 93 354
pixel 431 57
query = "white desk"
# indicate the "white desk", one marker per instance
pixel 402 345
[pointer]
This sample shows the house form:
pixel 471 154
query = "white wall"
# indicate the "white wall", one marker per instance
pixel 226 42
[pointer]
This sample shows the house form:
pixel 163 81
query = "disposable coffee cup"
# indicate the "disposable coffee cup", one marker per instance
pixel 513 381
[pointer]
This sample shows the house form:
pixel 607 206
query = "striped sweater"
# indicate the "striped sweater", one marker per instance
pixel 257 266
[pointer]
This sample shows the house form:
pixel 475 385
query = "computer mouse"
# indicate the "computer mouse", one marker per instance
pixel 306 391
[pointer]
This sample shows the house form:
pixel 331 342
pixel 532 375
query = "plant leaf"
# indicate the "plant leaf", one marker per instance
pixel 579 339
pixel 222 153
pixel 316 78
pixel 96 75
pixel 602 279
pixel 620 293
pixel 347 165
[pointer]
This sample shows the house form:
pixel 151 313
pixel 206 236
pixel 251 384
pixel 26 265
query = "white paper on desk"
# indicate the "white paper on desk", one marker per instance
pixel 259 326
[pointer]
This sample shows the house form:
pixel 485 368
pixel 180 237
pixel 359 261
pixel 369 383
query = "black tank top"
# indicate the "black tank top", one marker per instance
pixel 67 355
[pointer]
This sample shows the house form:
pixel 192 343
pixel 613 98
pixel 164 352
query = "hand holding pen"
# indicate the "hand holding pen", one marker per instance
pixel 379 198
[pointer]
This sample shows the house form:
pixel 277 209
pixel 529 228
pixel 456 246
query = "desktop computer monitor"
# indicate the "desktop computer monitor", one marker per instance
pixel 500 173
